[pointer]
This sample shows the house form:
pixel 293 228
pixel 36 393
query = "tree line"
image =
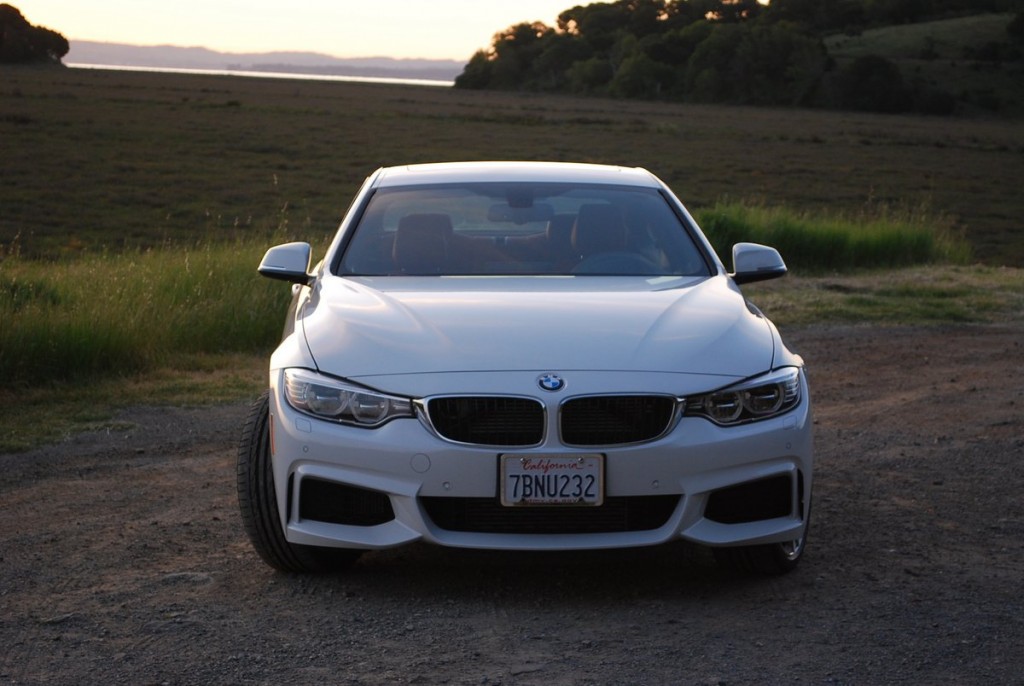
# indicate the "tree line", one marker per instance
pixel 719 51
pixel 23 43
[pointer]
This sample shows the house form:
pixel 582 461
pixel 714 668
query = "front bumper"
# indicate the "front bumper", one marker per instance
pixel 342 486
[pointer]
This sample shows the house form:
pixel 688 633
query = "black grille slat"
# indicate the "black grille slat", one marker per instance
pixel 487 515
pixel 502 421
pixel 615 420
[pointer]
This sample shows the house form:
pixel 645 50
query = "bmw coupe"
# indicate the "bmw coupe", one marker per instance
pixel 525 356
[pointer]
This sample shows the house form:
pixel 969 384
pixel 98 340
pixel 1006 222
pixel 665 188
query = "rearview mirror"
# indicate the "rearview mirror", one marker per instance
pixel 535 212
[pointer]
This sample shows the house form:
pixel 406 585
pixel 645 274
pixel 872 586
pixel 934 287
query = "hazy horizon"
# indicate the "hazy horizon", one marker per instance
pixel 403 29
pixel 255 53
pixel 293 63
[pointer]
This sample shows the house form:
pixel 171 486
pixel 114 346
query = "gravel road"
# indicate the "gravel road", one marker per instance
pixel 123 560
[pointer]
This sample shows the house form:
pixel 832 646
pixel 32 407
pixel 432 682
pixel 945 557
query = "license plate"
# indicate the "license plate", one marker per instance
pixel 552 480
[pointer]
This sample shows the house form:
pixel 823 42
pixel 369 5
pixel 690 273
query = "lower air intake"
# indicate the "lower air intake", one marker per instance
pixel 487 515
pixel 327 501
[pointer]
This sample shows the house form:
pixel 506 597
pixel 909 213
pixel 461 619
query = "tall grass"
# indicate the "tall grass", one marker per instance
pixel 875 239
pixel 131 312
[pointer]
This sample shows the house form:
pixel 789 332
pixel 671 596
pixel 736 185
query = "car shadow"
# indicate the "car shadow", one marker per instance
pixel 422 571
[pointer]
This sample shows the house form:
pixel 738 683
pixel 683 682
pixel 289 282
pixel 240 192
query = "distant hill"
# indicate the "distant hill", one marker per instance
pixel 172 57
pixel 969 57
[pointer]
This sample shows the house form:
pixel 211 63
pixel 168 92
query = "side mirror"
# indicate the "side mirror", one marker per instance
pixel 753 262
pixel 288 262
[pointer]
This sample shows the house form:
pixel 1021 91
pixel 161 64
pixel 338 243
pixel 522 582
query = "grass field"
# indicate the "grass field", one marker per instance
pixel 134 208
pixel 115 159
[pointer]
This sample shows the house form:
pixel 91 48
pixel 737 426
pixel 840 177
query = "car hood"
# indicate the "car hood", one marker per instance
pixel 374 326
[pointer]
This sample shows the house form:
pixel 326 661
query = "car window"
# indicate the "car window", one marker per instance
pixel 520 228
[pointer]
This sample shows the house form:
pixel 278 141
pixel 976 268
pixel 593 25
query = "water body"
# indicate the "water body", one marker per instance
pixel 272 75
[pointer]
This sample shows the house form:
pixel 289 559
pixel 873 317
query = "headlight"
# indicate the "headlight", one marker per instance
pixel 760 398
pixel 327 398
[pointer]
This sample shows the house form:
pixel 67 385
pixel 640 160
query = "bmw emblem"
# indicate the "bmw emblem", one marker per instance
pixel 551 382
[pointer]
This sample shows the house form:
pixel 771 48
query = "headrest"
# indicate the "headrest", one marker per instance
pixel 599 228
pixel 421 243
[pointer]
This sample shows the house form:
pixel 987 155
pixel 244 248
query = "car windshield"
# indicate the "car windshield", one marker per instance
pixel 520 228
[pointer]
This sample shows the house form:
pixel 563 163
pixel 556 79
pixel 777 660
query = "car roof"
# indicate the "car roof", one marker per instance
pixel 483 172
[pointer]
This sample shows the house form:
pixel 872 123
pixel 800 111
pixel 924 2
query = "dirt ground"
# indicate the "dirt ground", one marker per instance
pixel 123 560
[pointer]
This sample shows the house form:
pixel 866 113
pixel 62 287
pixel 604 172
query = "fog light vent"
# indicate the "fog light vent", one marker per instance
pixel 752 501
pixel 326 501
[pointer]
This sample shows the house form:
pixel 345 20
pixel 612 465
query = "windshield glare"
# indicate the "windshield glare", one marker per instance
pixel 517 228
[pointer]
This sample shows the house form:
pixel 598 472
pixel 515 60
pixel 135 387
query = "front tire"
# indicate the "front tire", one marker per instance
pixel 257 502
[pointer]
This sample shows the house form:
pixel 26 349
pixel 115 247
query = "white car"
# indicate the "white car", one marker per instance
pixel 525 356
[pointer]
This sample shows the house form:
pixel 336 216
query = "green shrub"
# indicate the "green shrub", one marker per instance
pixel 820 244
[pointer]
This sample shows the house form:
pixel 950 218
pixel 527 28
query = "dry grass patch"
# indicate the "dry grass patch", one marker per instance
pixel 920 296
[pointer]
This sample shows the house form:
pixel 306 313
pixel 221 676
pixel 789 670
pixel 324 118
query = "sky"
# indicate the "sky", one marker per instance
pixel 435 29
